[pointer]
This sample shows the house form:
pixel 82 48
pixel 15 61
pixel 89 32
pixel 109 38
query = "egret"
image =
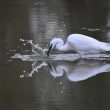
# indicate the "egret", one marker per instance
pixel 82 44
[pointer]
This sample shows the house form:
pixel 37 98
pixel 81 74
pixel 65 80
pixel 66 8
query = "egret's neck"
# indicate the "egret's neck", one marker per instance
pixel 63 47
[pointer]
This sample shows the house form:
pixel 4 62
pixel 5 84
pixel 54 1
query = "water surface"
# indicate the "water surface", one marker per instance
pixel 53 87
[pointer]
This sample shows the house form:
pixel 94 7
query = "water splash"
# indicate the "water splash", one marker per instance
pixel 35 68
pixel 36 49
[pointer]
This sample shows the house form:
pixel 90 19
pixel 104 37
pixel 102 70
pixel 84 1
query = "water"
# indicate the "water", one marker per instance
pixel 28 83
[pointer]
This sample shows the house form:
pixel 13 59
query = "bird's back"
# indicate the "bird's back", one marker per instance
pixel 82 39
pixel 85 44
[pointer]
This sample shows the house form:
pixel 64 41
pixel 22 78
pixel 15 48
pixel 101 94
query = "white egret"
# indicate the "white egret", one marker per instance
pixel 82 44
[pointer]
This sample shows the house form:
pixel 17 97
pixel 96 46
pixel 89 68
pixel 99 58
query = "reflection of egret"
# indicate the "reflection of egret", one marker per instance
pixel 79 43
pixel 80 71
pixel 75 71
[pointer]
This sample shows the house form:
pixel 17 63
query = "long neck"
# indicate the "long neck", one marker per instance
pixel 62 47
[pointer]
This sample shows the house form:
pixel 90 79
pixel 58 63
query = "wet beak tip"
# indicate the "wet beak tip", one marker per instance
pixel 48 52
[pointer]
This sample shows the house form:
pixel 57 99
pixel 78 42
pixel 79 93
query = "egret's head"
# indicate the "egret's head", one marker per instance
pixel 53 43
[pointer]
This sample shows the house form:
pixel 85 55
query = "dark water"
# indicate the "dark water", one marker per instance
pixel 62 85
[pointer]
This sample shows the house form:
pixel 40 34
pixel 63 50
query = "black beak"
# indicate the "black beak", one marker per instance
pixel 48 52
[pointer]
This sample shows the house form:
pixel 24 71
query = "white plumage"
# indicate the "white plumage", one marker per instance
pixel 80 43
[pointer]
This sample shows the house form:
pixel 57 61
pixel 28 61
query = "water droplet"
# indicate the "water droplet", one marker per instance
pixel 21 76
pixel 61 30
pixel 24 71
pixel 60 83
pixel 24 44
pixel 21 39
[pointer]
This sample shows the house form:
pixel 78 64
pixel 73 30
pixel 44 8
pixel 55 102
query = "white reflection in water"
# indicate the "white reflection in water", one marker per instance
pixel 91 29
pixel 80 71
pixel 35 68
pixel 75 70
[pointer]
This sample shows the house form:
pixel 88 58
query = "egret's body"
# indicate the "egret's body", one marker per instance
pixel 81 44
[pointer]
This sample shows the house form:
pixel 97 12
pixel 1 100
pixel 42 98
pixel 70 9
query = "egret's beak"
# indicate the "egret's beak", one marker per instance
pixel 50 48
